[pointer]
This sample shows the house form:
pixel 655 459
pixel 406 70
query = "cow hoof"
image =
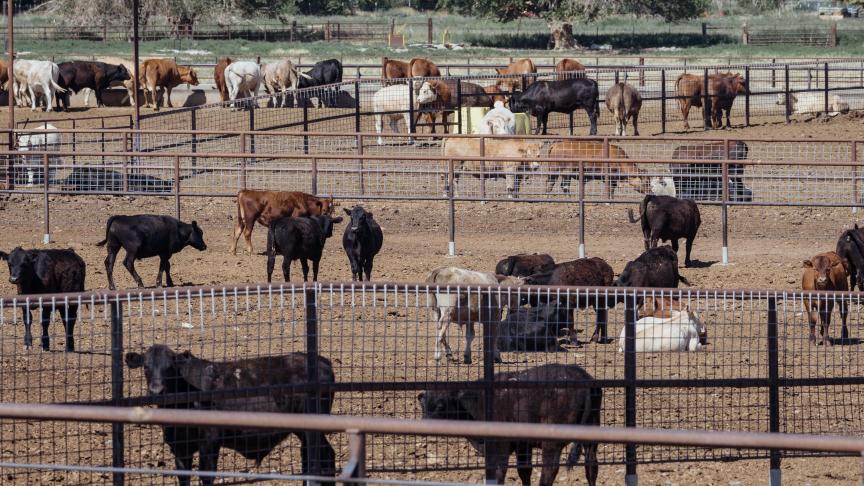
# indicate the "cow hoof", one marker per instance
pixel 466 360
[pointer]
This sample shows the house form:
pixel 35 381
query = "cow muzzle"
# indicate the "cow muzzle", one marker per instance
pixel 13 279
pixel 155 388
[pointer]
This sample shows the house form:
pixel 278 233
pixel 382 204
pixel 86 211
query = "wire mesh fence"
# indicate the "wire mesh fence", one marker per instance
pixel 742 361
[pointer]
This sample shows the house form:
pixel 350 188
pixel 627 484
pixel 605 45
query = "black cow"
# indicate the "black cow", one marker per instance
pixel 523 265
pixel 534 328
pixel 322 73
pixel 703 182
pixel 565 96
pixel 655 268
pixel 362 240
pixel 145 236
pixel 668 218
pixel 298 239
pixel 549 405
pixel 168 372
pixel 850 248
pixel 47 272
pixel 77 75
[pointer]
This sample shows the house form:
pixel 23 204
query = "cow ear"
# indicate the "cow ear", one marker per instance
pixel 4 255
pixel 808 264
pixel 194 224
pixel 346 211
pixel 368 214
pixel 134 360
pixel 421 396
pixel 337 220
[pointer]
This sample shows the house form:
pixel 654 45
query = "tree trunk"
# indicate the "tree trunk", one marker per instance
pixel 562 35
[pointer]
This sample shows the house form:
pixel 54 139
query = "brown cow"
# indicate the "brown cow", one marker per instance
pixel 522 66
pixel 722 89
pixel 423 68
pixel 394 69
pixel 825 271
pixel 164 73
pixel 566 66
pixel 4 75
pixel 219 77
pixel 265 206
pixel 495 94
pixel 445 99
pixel 612 173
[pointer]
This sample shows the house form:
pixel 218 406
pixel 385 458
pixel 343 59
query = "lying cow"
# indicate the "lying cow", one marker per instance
pixel 549 405
pixel 394 102
pixel 681 331
pixel 534 328
pixel 825 271
pixel 850 248
pixel 655 268
pixel 668 219
pixel 624 102
pixel 805 103
pixel 465 308
pixel 146 236
pixel 47 272
pixel 544 97
pixel 171 373
pixel 703 181
pixel 298 238
pixel 165 74
pixel 523 265
pixel 265 206
pixel 611 173
pixel 527 151
pixel 498 121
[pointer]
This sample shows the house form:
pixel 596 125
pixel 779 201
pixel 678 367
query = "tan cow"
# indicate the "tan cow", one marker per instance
pixel 566 67
pixel 281 77
pixel 513 81
pixel 512 171
pixel 825 271
pixel 164 73
pixel 611 173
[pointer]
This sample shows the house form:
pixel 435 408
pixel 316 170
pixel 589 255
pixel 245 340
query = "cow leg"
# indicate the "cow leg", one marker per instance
pixel 109 264
pixel 247 234
pixel 99 98
pixel 469 339
pixel 271 262
pixel 168 96
pixel 826 309
pixel 550 182
pixel 728 123
pixel 183 462
pixel 305 265
pixel 367 268
pixel 592 117
pixel 523 463
pixel 394 125
pixel 209 460
pixel 685 112
pixel 315 264
pixel 543 121
pixel 356 271
pixel 286 268
pixel 812 317
pixel 32 98
pixel 46 321
pixel 844 312
pixel 636 125
pixel 675 246
pixel 238 230
pixel 689 246
pixel 591 466
pixel 28 320
pixel 441 340
pixel 167 265
pixel 129 263
pixel 69 317
pixel 551 458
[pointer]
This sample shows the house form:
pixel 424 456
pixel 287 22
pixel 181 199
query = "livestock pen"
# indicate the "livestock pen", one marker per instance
pixel 756 373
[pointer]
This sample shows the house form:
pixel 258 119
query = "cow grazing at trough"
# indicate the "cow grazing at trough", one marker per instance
pixel 42 84
pixel 498 121
pixel 43 138
pixel 166 74
pixel 813 103
pixel 550 405
pixel 265 206
pixel 464 309
pixel 47 272
pixel 495 94
pixel 171 373
pixel 655 268
pixel 825 271
pixel 323 73
pixel 681 331
pixel 523 265
pixel 704 181
pixel 534 328
pixel 850 248
pixel 77 76
pixel 584 272
pixel 519 74
pixel 612 174
pixel 219 77
pixel 668 219
pixel 512 171
pixel 544 97
pixel 722 90
pixel 298 238
pixel 278 78
pixel 362 240
pixel 624 102
pixel 446 100
pixel 243 77
pixel 394 103
pixel 146 236
pixel 568 68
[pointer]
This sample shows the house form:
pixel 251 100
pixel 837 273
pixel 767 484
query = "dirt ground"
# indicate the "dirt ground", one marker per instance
pixel 767 246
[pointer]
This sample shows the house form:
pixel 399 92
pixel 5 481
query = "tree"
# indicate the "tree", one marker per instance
pixel 560 14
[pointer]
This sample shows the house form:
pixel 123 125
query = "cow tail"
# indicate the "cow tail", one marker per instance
pixel 643 208
pixel 587 410
pixel 107 229
pixel 431 299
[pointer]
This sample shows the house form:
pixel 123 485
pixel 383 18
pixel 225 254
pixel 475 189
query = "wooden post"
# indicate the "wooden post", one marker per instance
pixel 293 34
pixel 642 72
pixel 833 39
pixel 745 35
pixel 429 37
pixel 327 32
pixel 392 27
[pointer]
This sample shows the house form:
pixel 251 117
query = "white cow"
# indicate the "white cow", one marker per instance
pixel 393 102
pixel 802 103
pixel 663 186
pixel 20 70
pixel 680 332
pixel 42 83
pixel 498 120
pixel 240 77
pixel 280 77
pixel 48 141
pixel 466 308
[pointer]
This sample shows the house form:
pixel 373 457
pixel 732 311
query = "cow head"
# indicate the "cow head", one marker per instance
pixel 21 264
pixel 823 266
pixel 326 222
pixel 448 404
pixel 739 84
pixel 195 238
pixel 188 75
pixel 122 73
pixel 359 218
pixel 161 366
pixel 328 205
pixel 495 94
pixel 426 93
pixel 632 276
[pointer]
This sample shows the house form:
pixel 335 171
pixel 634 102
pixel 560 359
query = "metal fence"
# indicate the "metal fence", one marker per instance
pixel 756 372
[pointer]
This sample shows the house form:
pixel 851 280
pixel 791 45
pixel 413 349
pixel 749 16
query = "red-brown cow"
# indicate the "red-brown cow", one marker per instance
pixel 522 66
pixel 825 271
pixel 265 206
pixel 722 89
pixel 164 73
pixel 394 69
pixel 567 66
pixel 219 77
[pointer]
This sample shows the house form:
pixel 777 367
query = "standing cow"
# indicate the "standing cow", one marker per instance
pixel 166 74
pixel 42 78
pixel 624 102
pixel 669 219
pixel 322 73
pixel 362 240
pixel 243 77
pixel 394 103
pixel 825 271
pixel 300 238
pixel 97 76
pixel 722 90
pixel 519 74
pixel 850 248
pixel 544 97
pixel 219 77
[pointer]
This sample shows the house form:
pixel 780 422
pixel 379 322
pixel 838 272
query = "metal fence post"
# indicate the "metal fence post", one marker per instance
pixel 489 337
pixel 825 81
pixel 429 31
pixel 355 466
pixel 706 102
pixel 74 144
pixel 724 208
pixel 747 96
pixel 773 389
pixel 483 167
pixel 46 238
pixel 313 405
pixel 242 162
pixel 451 208
pixel 117 435
pixel 786 92
pixel 306 125
pixel 252 126
pixel 102 139
pixel 630 309
pixel 177 186
pixel 855 198
pixel 357 106
pixel 194 125
pixel 314 186
pixel 412 123
pixel 459 107
pixel 663 101
pixel 581 208
pixel 361 164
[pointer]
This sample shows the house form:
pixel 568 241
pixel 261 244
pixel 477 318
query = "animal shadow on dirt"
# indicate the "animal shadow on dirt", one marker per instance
pixel 701 264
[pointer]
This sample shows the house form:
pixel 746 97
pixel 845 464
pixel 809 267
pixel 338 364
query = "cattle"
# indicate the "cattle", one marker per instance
pixel 20 70
pixel 681 331
pixel 663 186
pixel 825 271
pixel 4 77
pixel 533 328
pixel 703 181
pixel 219 77
pixel 171 373
pixel 495 94
pixel 722 90
pixel 265 206
pixel 612 174
pixel 322 73
pixel 42 138
pixel 419 67
pixel 512 171
pixel 523 265
pixel 446 99
pixel 298 238
pixel 279 77
pixel 128 84
pixel 146 236
pixel 850 249
pixel 624 102
pixel 41 79
pixel 242 77
pixel 566 68
pixel 665 307
pixel 806 103
pixel 394 69
pixel 518 74
pixel 655 268
pixel 669 219
pixel 584 272
pixel 164 73
pixel 547 405
pixel 498 121
pixel 394 103
pixel 362 240
pixel 463 308
pixel 47 272
pixel 544 97
pixel 97 76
